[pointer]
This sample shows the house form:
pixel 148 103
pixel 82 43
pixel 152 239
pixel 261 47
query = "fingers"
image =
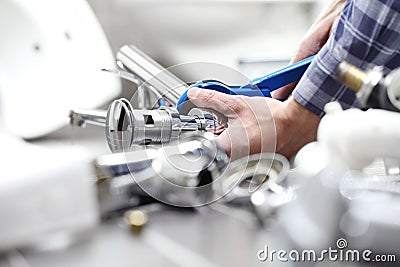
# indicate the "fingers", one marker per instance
pixel 225 104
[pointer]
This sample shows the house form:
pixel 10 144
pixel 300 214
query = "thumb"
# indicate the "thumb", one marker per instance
pixel 227 105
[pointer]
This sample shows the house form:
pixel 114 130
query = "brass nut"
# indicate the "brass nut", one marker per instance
pixel 136 219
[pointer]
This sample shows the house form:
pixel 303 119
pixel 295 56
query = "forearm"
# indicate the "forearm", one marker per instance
pixel 314 40
pixel 319 31
pixel 367 34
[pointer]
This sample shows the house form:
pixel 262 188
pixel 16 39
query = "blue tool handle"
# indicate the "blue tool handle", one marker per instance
pixel 258 87
pixel 283 76
pixel 231 90
pixel 223 88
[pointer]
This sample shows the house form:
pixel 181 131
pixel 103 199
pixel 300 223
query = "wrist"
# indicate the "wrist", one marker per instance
pixel 298 115
pixel 296 127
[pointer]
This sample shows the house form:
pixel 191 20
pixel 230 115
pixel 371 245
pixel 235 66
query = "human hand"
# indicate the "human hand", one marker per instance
pixel 314 40
pixel 258 124
pixel 249 125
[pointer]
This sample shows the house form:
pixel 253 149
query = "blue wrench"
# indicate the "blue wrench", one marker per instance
pixel 258 87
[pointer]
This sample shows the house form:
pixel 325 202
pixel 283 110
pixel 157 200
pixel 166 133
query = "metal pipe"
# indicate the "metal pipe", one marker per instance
pixel 79 117
pixel 153 74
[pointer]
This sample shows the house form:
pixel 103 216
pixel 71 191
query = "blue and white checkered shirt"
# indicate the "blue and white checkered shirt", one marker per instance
pixel 367 34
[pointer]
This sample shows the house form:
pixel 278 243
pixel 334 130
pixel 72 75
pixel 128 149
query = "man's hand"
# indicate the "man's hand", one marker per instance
pixel 249 125
pixel 259 124
pixel 314 40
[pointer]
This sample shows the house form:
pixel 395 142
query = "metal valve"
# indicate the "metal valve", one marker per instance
pixel 373 89
pixel 126 126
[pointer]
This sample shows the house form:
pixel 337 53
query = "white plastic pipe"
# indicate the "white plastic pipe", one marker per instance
pixel 358 137
pixel 51 56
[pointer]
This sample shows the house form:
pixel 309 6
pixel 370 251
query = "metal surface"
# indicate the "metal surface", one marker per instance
pixel 120 123
pixel 351 76
pixel 79 117
pixel 224 237
pixel 125 75
pixel 147 96
pixel 152 74
pixel 392 82
pixel 260 180
pixel 170 239
pixel 170 174
pixel 257 172
pixel 372 88
pixel 136 219
pixel 370 83
pixel 126 126
pixel 163 174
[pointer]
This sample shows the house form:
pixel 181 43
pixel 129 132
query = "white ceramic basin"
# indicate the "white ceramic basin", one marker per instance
pixel 51 56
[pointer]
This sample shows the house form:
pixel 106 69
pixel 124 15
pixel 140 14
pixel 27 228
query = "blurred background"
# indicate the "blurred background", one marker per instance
pixel 254 37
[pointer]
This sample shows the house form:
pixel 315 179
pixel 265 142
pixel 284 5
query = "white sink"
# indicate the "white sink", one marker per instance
pixel 51 56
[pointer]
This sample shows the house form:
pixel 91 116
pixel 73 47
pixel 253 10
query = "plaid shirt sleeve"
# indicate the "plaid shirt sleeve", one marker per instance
pixel 367 34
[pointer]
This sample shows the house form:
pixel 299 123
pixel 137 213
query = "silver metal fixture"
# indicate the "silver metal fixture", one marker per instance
pixel 258 172
pixel 79 117
pixel 371 87
pixel 126 126
pixel 153 76
pixel 177 174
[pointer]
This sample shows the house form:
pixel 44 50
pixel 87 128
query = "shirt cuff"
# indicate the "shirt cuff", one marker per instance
pixel 318 86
